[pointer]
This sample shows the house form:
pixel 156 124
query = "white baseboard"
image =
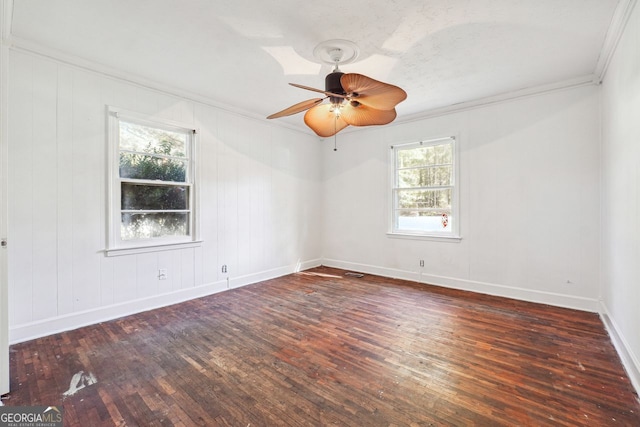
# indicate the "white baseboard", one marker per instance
pixel 629 360
pixel 540 297
pixel 555 299
pixel 237 282
pixel 41 328
pixel 372 269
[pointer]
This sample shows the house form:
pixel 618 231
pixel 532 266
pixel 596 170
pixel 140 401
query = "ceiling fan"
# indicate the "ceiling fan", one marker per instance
pixel 354 99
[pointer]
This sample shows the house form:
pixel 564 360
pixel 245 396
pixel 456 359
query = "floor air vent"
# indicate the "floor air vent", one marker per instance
pixel 352 274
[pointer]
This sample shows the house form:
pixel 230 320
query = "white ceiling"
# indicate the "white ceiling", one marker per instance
pixel 242 53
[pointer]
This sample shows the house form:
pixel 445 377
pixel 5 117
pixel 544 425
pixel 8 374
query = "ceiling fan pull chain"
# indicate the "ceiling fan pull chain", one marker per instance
pixel 335 135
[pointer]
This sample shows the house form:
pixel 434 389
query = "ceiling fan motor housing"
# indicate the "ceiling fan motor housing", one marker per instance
pixel 332 84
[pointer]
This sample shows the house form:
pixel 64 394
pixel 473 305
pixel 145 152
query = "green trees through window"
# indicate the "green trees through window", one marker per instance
pixel 154 165
pixel 424 186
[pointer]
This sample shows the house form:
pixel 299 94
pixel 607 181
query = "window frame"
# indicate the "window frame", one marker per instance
pixel 115 244
pixel 393 231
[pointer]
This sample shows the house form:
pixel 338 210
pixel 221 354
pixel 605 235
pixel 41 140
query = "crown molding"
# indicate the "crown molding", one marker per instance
pixel 25 46
pixel 616 29
pixel 22 45
pixel 6 18
pixel 586 80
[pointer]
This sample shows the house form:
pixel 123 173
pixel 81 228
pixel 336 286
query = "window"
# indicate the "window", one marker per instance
pixel 152 182
pixel 424 192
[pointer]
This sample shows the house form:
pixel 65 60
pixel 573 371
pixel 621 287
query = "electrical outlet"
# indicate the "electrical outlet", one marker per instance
pixel 421 263
pixel 162 274
pixel 224 268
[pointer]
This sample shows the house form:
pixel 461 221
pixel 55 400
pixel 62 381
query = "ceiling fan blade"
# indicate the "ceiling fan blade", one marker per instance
pixel 337 95
pixel 297 108
pixel 362 115
pixel 370 92
pixel 323 121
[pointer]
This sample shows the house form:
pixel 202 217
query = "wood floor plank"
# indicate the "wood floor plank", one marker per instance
pixel 319 348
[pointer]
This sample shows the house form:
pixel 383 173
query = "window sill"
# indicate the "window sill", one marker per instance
pixel 132 250
pixel 429 237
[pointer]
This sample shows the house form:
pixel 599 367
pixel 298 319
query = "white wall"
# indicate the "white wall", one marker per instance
pixel 621 197
pixel 529 201
pixel 260 201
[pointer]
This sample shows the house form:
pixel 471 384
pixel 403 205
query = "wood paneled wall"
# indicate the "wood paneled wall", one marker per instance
pixel 259 193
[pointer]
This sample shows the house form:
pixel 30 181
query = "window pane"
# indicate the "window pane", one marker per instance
pixel 424 187
pixel 425 156
pixel 415 157
pixel 153 197
pixel 150 225
pixel 424 220
pixel 135 137
pixel 427 177
pixel 424 199
pixel 139 166
pixel 443 154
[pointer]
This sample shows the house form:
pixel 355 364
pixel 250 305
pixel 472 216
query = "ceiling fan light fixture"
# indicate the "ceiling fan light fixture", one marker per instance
pixel 336 108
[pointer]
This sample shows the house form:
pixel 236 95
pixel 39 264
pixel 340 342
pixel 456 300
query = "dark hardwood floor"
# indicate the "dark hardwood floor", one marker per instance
pixel 317 348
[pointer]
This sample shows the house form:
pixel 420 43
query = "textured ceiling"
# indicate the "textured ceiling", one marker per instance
pixel 243 53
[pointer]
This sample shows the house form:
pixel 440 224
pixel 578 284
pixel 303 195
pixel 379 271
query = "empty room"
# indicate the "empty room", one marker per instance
pixel 246 213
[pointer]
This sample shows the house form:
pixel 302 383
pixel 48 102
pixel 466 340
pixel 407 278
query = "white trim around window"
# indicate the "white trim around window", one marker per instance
pixel 149 222
pixel 424 190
